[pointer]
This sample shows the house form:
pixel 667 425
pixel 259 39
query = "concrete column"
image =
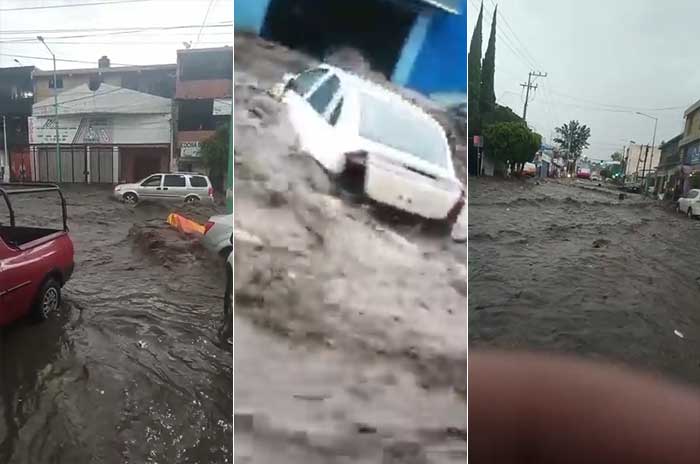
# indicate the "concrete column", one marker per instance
pixel 33 163
pixel 87 163
pixel 115 164
pixel 412 46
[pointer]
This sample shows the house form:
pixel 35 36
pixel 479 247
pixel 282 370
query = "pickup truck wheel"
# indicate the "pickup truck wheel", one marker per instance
pixel 48 300
pixel 191 199
pixel 130 198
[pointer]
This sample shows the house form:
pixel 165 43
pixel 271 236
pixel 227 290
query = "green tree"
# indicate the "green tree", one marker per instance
pixel 487 95
pixel 605 173
pixel 572 138
pixel 474 72
pixel 512 143
pixel 617 156
pixel 215 154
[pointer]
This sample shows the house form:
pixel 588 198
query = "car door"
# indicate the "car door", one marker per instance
pixel 174 187
pixel 16 284
pixel 150 188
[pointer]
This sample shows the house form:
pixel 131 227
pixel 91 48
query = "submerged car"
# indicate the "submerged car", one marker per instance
pixel 689 204
pixel 174 186
pixel 374 142
pixel 217 233
pixel 35 262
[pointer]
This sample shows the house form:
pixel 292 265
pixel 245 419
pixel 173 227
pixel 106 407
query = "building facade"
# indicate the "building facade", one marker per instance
pixel 152 79
pixel 422 41
pixel 668 174
pixel 203 99
pixel 689 147
pixel 16 99
pixel 108 135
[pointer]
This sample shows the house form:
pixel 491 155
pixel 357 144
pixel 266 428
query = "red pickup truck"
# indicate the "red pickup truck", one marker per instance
pixel 35 262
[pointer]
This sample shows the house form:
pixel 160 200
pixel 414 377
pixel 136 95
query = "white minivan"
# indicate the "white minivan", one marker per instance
pixel 374 141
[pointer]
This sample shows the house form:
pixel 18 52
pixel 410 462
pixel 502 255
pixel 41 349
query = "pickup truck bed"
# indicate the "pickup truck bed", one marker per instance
pixel 21 237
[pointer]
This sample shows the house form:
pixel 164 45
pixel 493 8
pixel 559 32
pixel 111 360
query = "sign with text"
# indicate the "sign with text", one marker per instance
pixel 190 149
pixel 222 107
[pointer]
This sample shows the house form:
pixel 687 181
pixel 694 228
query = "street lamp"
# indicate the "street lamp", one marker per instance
pixel 55 108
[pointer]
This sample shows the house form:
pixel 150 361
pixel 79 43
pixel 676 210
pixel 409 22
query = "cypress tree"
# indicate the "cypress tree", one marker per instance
pixel 474 67
pixel 487 95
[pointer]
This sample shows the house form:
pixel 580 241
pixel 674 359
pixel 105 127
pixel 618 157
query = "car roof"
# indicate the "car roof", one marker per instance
pixel 179 173
pixel 358 83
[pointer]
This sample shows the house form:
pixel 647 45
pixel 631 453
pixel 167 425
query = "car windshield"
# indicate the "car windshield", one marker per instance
pixel 391 125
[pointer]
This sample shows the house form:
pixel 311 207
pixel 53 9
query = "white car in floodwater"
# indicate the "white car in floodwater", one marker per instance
pixel 689 203
pixel 374 142
pixel 217 234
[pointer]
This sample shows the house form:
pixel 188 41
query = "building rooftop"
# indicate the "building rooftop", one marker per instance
pixel 117 69
pixel 204 50
pixel 694 107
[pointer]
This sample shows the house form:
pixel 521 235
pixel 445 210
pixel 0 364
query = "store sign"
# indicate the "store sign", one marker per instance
pixel 190 149
pixel 222 107
pixel 43 130
pixel 100 130
pixel 692 154
pixel 478 142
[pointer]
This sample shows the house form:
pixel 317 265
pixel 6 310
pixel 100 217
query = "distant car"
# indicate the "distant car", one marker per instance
pixel 175 186
pixel 217 234
pixel 595 178
pixel 689 204
pixel 374 142
pixel 583 173
pixel 35 263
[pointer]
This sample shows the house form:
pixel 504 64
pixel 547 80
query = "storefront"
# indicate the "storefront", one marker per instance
pixel 111 135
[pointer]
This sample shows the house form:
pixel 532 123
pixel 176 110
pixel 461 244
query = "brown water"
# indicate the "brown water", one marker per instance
pixel 129 370
pixel 568 267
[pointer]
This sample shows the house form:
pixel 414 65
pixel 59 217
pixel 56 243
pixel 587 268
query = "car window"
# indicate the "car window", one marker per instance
pixel 335 114
pixel 693 194
pixel 174 180
pixel 198 181
pixel 323 95
pixel 306 80
pixel 153 181
pixel 390 124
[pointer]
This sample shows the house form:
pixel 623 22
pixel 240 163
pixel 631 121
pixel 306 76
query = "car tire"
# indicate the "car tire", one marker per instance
pixel 191 199
pixel 130 198
pixel 48 300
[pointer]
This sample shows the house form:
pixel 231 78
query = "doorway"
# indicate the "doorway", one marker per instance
pixel 377 28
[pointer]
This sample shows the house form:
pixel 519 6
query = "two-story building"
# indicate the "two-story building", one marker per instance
pixel 689 147
pixel 203 99
pixel 418 44
pixel 16 98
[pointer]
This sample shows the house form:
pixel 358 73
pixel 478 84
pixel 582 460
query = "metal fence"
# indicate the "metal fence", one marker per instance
pixel 74 164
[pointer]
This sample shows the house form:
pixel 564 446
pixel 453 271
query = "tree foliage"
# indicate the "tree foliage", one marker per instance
pixel 474 69
pixel 512 143
pixel 215 153
pixel 572 138
pixel 617 156
pixel 487 95
pixel 606 173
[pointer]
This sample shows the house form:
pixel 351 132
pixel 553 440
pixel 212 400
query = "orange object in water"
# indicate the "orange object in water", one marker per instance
pixel 185 225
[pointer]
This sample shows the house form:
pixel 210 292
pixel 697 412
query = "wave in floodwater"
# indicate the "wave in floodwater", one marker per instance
pixel 129 371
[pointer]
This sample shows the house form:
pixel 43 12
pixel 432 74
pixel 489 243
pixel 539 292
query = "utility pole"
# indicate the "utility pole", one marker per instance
pixel 529 86
pixel 55 109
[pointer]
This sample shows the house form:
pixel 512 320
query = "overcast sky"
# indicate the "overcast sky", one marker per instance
pixel 19 28
pixel 604 59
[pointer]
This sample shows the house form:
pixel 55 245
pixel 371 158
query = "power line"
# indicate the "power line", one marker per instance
pixel 101 29
pixel 71 5
pixel 515 36
pixel 206 15
pixel 66 60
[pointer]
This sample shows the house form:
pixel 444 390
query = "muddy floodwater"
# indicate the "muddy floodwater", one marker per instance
pixel 568 267
pixel 129 370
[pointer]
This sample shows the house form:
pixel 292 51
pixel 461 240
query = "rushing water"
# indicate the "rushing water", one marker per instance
pixel 568 267
pixel 129 371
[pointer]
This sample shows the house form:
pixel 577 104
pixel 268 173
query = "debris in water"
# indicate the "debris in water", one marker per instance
pixel 142 344
pixel 184 225
pixel 678 333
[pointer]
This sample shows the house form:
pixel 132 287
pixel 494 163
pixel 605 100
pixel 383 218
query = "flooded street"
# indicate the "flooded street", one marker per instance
pixel 129 371
pixel 568 267
pixel 350 328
